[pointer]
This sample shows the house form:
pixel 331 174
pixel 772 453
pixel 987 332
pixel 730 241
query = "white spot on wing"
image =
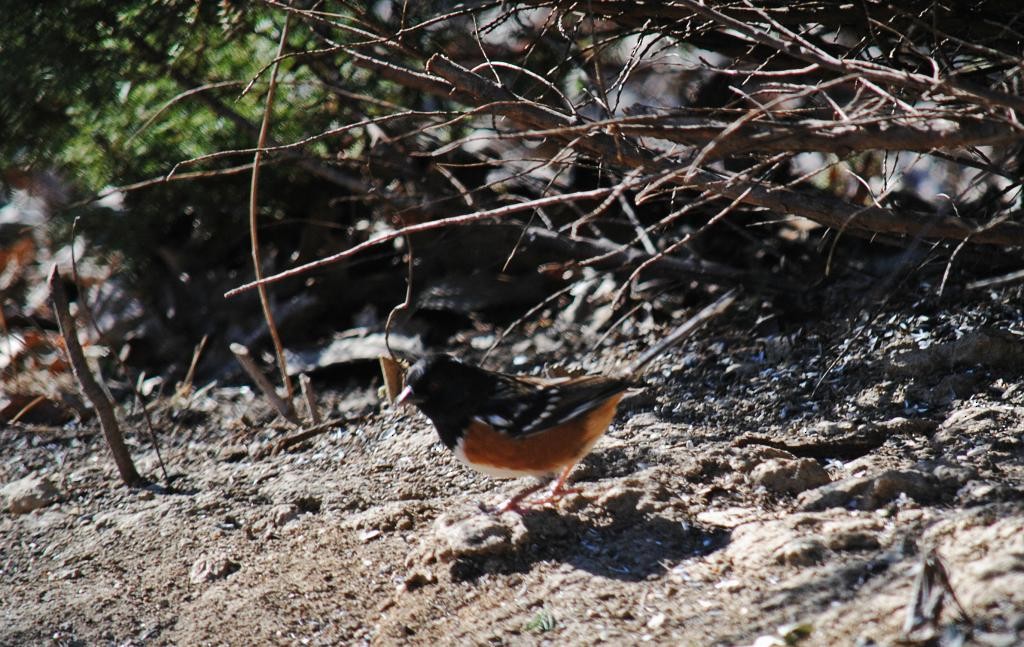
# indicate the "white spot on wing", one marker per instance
pixel 495 420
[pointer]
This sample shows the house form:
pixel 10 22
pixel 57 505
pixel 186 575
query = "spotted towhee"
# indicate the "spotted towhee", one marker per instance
pixel 509 426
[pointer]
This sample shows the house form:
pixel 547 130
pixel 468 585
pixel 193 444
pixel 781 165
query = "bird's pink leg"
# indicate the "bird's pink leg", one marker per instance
pixel 515 503
pixel 555 493
pixel 558 489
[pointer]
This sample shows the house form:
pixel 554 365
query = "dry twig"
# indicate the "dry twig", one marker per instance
pixel 246 361
pixel 89 385
pixel 257 264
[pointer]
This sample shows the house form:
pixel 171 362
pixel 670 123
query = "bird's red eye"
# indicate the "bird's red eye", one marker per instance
pixel 428 387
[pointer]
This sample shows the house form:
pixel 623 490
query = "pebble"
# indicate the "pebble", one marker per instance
pixel 801 552
pixel 620 501
pixel 232 453
pixel 472 537
pixel 28 494
pixel 281 514
pixel 404 523
pixel 870 492
pixel 417 578
pixel 211 567
pixel 853 540
pixel 783 476
pixel 369 535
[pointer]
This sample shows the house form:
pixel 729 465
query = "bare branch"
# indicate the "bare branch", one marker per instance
pixel 90 386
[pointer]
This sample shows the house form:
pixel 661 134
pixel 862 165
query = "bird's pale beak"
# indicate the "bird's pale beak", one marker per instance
pixel 404 395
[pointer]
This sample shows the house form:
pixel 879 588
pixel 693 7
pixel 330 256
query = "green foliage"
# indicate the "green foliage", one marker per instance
pixel 99 89
pixel 542 622
pixel 69 73
pixel 112 94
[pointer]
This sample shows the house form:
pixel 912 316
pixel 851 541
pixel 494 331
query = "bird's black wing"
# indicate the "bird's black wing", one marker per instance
pixel 520 407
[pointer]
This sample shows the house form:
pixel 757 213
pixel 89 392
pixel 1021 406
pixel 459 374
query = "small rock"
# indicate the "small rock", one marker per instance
pixel 949 389
pixel 766 453
pixel 232 453
pixel 870 492
pixel 729 517
pixel 656 621
pixel 281 514
pixel 908 426
pixel 955 475
pixel 784 476
pixel 742 370
pixel 993 349
pixel 410 494
pixel 261 527
pixel 28 494
pixel 872 397
pixel 731 585
pixel 369 535
pixel 211 567
pixel 801 552
pixel 403 523
pixel 853 540
pixel 755 455
pixel 308 503
pixel 619 501
pixel 472 537
pixel 66 574
pixel 418 578
pixel 831 428
pixel 986 492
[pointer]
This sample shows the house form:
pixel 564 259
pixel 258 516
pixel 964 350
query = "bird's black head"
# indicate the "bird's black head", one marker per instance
pixel 447 391
pixel 434 380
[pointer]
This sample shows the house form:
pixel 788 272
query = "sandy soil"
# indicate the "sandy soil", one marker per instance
pixel 780 480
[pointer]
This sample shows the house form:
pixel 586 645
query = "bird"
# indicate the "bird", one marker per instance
pixel 511 426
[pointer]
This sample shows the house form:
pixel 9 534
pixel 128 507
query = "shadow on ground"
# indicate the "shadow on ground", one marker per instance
pixel 629 547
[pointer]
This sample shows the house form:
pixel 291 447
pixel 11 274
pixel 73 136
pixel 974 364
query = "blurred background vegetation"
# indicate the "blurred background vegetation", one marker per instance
pixel 102 101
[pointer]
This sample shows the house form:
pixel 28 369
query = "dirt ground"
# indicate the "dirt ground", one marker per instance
pixel 781 479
